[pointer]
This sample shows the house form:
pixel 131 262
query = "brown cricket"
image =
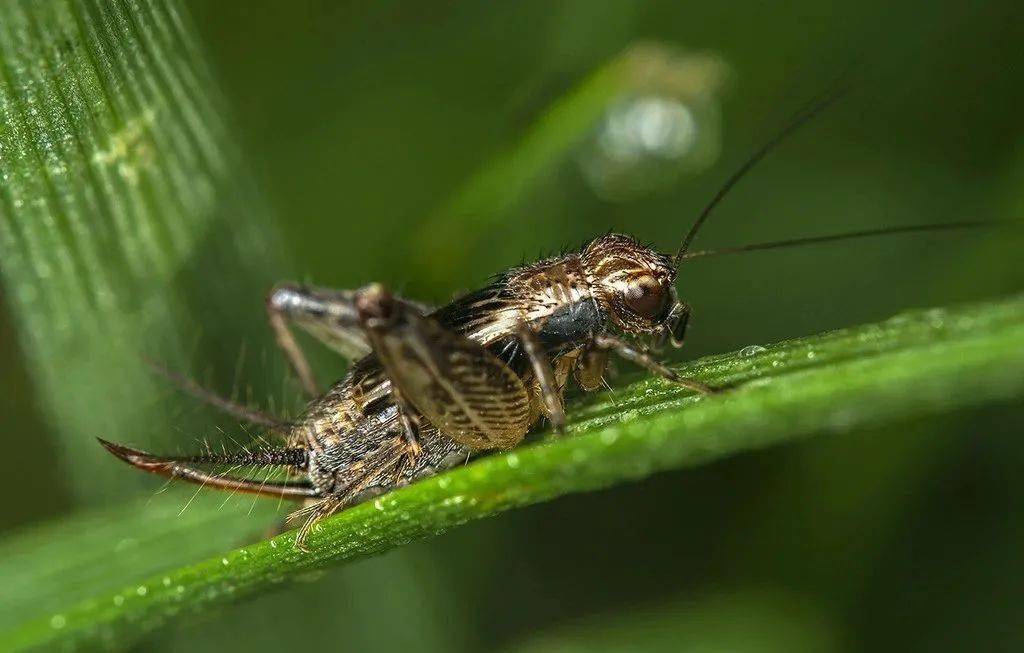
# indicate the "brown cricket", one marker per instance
pixel 430 388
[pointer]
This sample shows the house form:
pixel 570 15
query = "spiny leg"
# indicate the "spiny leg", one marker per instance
pixel 542 369
pixel 288 302
pixel 326 314
pixel 645 360
pixel 235 409
pixel 376 466
pixel 332 318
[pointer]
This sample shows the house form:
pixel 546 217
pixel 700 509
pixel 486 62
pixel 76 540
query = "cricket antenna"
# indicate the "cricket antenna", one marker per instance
pixel 800 118
pixel 849 235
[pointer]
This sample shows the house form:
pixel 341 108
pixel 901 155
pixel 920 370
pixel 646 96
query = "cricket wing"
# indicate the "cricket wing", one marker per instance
pixel 460 387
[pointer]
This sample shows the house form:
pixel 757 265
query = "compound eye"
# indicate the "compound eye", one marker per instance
pixel 645 296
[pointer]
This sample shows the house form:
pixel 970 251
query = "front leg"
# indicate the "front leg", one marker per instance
pixel 549 390
pixel 645 360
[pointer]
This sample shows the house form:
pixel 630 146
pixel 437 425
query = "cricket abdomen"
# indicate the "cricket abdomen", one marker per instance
pixel 354 437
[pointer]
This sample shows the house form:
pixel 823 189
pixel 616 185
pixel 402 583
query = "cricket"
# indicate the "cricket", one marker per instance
pixel 430 388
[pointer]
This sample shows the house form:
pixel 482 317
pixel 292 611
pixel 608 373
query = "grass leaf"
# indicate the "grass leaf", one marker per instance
pixel 127 222
pixel 921 362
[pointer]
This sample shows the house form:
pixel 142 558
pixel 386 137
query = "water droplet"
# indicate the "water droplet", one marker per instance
pixel 609 437
pixel 57 621
pixel 444 482
pixel 142 590
pixel 225 562
pixel 752 350
pixel 378 504
pixel 811 355
pixel 118 600
pixel 512 460
pixel 166 581
pixel 454 501
pixel 273 544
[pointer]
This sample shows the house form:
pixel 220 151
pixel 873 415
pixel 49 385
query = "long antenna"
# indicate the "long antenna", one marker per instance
pixel 810 110
pixel 850 235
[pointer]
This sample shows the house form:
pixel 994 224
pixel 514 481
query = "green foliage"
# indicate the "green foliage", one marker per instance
pixel 130 226
pixel 929 361
pixel 119 222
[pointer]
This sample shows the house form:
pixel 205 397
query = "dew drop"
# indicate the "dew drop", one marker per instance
pixel 752 350
pixel 142 590
pixel 512 460
pixel 224 561
pixel 57 621
pixel 118 600
pixel 166 581
pixel 378 504
pixel 444 482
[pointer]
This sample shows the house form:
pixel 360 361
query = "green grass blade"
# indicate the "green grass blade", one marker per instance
pixel 127 223
pixel 918 363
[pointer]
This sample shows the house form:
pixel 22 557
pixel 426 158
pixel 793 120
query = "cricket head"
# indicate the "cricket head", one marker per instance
pixel 636 284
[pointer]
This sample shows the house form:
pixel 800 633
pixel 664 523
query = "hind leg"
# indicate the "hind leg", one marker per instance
pixel 328 315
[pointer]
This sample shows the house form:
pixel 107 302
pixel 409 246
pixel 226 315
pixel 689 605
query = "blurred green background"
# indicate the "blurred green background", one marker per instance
pixel 362 121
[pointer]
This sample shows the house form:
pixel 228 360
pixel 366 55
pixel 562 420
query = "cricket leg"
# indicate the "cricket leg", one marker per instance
pixel 549 390
pixel 589 372
pixel 377 466
pixel 454 383
pixel 331 317
pixel 328 315
pixel 645 360
pixel 207 396
pixel 410 423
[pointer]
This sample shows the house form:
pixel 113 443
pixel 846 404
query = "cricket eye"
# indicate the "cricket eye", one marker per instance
pixel 645 296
